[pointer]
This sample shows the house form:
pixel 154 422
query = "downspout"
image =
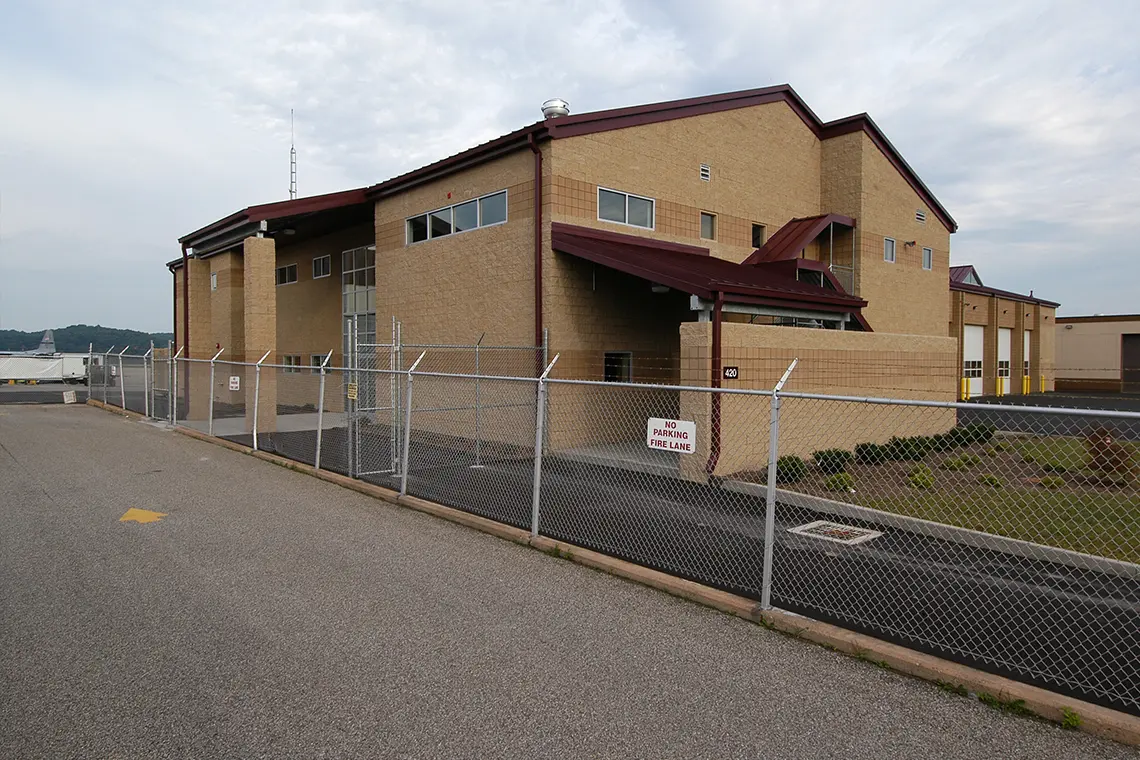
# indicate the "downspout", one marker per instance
pixel 185 301
pixel 174 303
pixel 537 238
pixel 714 426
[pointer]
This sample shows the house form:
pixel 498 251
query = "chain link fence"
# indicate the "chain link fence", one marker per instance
pixel 1002 536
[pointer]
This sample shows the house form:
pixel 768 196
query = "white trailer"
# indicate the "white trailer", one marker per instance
pixel 69 368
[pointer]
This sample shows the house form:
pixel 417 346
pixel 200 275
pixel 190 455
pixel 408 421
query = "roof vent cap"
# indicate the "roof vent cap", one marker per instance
pixel 554 108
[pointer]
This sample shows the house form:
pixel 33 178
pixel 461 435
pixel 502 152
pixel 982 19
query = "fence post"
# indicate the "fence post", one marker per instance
pixel 393 397
pixel 770 505
pixel 256 395
pixel 478 409
pixel 539 438
pixel 148 363
pixel 210 413
pixel 106 369
pixel 321 412
pixel 408 427
pixel 174 387
pixel 122 381
pixel 90 367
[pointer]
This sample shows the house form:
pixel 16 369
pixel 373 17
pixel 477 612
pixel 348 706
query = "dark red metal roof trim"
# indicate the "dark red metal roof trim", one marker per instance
pixel 790 239
pixel 281 209
pixel 983 290
pixel 698 274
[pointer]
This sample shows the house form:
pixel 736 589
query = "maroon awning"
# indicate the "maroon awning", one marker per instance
pixel 691 270
pixel 794 236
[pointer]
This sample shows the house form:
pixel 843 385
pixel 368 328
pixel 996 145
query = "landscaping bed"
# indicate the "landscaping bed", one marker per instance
pixel 1058 491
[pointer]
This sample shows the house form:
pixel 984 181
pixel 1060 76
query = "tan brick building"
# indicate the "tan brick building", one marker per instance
pixel 637 238
pixel 1006 340
pixel 1099 352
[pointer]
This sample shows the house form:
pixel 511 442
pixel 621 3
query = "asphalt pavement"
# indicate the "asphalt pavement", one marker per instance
pixel 270 614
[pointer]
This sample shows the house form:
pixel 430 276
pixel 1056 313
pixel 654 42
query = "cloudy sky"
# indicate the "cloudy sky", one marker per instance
pixel 124 125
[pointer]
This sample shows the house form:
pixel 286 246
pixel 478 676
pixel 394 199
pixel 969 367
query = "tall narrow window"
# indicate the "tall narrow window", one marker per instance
pixel 708 226
pixel 757 235
pixel 889 250
pixel 927 258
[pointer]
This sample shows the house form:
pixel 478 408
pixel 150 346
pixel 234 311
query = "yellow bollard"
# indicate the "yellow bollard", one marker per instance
pixel 964 391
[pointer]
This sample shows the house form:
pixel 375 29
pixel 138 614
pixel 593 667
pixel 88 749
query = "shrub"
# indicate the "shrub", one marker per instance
pixel 1053 481
pixel 993 481
pixel 921 476
pixel 1107 456
pixel 1001 446
pixel 979 433
pixel 790 469
pixel 832 461
pixel 907 449
pixel 1028 458
pixel 960 436
pixel 943 442
pixel 963 461
pixel 1054 467
pixel 840 481
pixel 871 453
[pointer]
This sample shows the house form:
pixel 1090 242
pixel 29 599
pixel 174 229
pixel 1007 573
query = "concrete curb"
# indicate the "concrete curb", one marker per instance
pixel 1094 719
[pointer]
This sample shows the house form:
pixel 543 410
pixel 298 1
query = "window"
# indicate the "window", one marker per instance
pixel 292 363
pixel 287 274
pixel 315 361
pixel 920 216
pixel 972 368
pixel 889 250
pixel 618 367
pixel 358 280
pixel 417 229
pixel 480 212
pixel 972 279
pixel 322 267
pixel 1003 368
pixel 708 226
pixel 624 208
pixel 757 235
pixel 706 172
pixel 213 280
pixel 927 258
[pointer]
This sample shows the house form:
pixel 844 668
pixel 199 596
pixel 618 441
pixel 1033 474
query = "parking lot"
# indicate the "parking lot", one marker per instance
pixel 271 614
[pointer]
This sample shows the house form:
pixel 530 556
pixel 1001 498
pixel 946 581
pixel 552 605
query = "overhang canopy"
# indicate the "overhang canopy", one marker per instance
pixel 692 270
pixel 329 210
pixel 794 236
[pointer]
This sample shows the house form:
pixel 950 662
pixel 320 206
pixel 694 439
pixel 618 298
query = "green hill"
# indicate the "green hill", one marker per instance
pixel 76 338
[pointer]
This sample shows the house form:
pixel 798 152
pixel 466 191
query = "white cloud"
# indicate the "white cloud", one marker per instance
pixel 129 124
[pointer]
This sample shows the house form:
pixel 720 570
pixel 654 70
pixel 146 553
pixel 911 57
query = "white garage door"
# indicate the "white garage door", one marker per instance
pixel 1005 335
pixel 1026 356
pixel 973 341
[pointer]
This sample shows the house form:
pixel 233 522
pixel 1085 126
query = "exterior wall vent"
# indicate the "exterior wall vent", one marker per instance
pixel 920 216
pixel 554 108
pixel 706 172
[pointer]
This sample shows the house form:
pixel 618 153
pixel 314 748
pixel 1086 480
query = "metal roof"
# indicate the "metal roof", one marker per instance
pixel 692 270
pixel 794 236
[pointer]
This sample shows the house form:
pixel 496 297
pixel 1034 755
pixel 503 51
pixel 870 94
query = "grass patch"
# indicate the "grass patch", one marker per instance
pixel 1070 721
pixel 1061 454
pixel 1099 523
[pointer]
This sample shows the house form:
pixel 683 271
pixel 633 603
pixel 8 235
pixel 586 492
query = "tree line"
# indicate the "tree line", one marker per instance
pixel 75 339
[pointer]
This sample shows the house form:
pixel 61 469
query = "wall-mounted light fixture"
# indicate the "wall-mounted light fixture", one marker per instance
pixel 660 288
pixel 1068 327
pixel 910 244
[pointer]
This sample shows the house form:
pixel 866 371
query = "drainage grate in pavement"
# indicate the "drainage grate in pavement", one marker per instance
pixel 840 534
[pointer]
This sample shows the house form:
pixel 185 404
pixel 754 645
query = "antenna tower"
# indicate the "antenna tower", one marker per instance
pixel 292 160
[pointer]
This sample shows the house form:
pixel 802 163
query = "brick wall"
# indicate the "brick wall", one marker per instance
pixel 452 289
pixel 830 362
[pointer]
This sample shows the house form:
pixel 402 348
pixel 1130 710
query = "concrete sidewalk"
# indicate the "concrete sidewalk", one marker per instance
pixel 271 614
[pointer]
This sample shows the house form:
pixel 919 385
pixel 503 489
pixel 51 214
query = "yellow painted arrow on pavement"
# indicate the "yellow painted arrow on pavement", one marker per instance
pixel 141 516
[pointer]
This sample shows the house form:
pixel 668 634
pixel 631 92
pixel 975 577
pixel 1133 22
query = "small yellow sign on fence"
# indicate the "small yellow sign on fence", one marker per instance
pixel 350 391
